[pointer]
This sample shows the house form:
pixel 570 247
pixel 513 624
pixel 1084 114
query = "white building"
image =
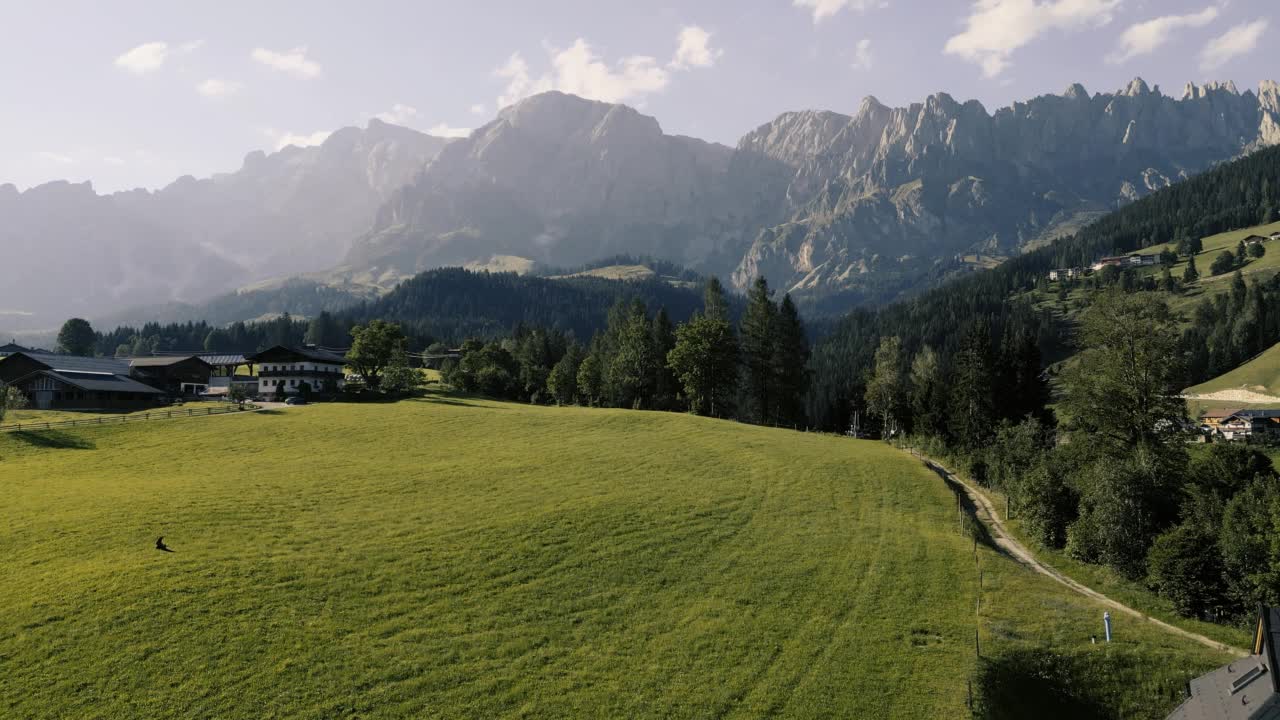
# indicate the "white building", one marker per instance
pixel 287 370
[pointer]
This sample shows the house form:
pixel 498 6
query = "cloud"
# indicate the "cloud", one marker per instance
pixel 285 139
pixel 996 28
pixel 113 160
pixel 294 61
pixel 399 114
pixel 862 58
pixel 478 109
pixel 694 49
pixel 1145 37
pixel 1237 41
pixel 190 47
pixel 217 88
pixel 444 130
pixel 144 58
pixel 577 69
pixel 823 9
pixel 55 158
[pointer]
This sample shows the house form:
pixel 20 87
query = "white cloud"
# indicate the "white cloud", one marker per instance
pixel 444 130
pixel 217 88
pixel 55 158
pixel 996 28
pixel 478 109
pixel 577 69
pixel 293 61
pixel 1237 41
pixel 113 160
pixel 862 58
pixel 144 58
pixel 399 114
pixel 285 139
pixel 823 9
pixel 1145 37
pixel 694 49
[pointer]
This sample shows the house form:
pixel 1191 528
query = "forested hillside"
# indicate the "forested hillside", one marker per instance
pixel 1235 195
pixel 445 306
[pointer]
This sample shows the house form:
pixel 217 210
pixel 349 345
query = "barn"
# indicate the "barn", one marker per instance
pixel 69 382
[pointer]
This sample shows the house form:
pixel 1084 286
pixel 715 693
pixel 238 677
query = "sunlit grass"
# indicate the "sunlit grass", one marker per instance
pixel 449 557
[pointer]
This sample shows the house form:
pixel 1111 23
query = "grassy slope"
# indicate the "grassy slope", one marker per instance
pixel 1261 269
pixel 1261 374
pixel 451 558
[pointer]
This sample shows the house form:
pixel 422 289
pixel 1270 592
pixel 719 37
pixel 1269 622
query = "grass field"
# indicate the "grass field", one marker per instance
pixel 22 417
pixel 450 557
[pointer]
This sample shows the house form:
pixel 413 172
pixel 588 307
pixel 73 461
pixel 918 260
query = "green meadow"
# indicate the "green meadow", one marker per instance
pixel 450 557
pixel 1260 375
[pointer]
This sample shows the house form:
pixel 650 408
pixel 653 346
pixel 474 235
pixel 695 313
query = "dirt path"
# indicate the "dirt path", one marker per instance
pixel 1004 539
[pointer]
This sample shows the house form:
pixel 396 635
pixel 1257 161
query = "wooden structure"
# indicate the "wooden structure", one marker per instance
pixel 69 382
pixel 178 376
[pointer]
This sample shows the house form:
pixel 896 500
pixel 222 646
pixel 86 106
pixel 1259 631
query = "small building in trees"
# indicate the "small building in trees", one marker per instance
pixel 1244 689
pixel 1243 424
pixel 76 383
pixel 1255 239
pixel 286 370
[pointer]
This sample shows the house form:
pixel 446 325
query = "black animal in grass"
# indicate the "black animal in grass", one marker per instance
pixel 161 546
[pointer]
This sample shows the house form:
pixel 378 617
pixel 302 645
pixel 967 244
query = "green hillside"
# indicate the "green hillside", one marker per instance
pixel 1260 375
pixel 448 557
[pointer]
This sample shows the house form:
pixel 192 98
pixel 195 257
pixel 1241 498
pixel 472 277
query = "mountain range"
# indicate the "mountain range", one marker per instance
pixel 861 208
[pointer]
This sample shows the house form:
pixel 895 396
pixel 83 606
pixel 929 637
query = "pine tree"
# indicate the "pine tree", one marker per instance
pixel 715 303
pixel 972 413
pixel 1190 274
pixel 759 338
pixel 791 363
pixel 632 368
pixel 928 395
pixel 562 383
pixel 665 385
pixel 591 383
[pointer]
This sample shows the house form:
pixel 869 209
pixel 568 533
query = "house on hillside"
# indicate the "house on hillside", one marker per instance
pixel 76 383
pixel 1255 239
pixel 176 375
pixel 1212 419
pixel 1275 236
pixel 287 369
pixel 1244 424
pixel 1247 688
pixel 1066 274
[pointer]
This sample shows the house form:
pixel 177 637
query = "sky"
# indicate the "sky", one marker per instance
pixel 133 94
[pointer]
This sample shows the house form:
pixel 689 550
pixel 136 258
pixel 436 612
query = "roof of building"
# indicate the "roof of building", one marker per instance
pixel 164 361
pixel 103 382
pixel 223 359
pixel 1243 689
pixel 1260 414
pixel 76 363
pixel 12 348
pixel 1216 413
pixel 314 354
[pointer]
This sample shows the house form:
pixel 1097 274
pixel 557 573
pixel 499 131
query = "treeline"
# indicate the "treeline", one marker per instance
pixel 1109 479
pixel 436 307
pixel 755 370
pixel 1234 195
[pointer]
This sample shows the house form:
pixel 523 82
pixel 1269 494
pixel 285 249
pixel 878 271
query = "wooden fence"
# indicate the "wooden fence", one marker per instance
pixel 135 417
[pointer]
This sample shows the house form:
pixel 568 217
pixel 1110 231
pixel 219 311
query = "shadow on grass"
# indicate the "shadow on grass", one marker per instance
pixel 972 525
pixel 53 440
pixel 1045 685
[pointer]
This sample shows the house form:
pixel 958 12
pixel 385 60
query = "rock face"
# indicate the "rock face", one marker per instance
pixel 292 211
pixel 819 202
pixel 877 198
pixel 563 180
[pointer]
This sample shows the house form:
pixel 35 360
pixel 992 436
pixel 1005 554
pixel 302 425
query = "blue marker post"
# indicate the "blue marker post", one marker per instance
pixel 1106 624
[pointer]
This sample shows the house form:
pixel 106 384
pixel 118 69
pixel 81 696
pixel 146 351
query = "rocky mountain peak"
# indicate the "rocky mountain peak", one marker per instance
pixel 1076 91
pixel 1136 88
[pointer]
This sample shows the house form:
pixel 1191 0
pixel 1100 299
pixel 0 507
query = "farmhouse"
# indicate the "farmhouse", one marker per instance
pixel 1255 239
pixel 1066 273
pixel 1243 689
pixel 175 375
pixel 288 369
pixel 1213 419
pixel 1242 424
pixel 70 382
